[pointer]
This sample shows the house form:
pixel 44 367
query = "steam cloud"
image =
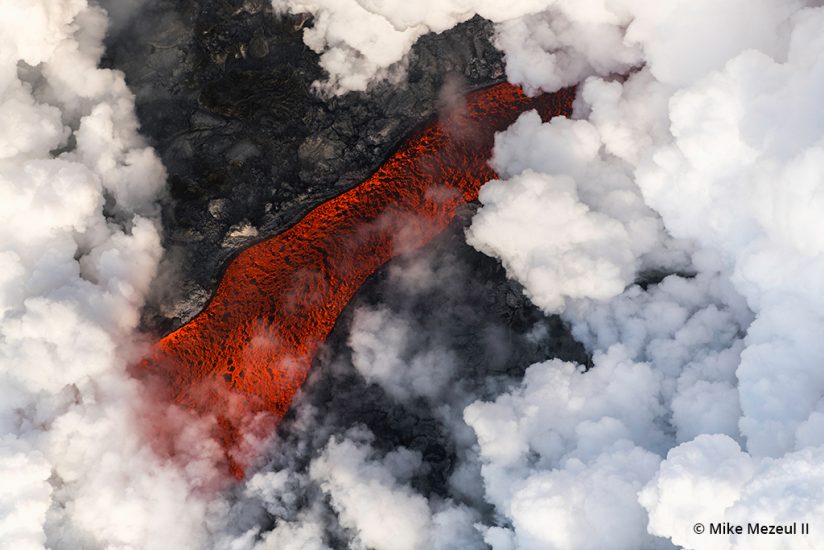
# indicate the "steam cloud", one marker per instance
pixel 80 244
pixel 705 162
pixel 704 402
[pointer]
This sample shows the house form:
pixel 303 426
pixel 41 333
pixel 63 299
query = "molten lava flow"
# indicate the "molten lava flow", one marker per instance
pixel 279 299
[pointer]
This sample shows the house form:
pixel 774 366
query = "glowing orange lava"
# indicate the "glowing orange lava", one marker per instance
pixel 279 299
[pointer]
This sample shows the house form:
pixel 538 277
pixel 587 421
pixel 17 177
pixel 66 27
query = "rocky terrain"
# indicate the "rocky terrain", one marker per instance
pixel 224 93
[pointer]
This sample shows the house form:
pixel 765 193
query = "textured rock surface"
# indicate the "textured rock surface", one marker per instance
pixel 223 91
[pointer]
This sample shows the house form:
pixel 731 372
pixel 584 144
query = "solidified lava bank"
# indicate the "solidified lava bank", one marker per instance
pixel 250 349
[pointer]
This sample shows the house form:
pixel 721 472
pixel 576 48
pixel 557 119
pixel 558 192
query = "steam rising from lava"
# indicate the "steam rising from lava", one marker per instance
pixel 705 160
pixel 80 244
pixel 705 391
pixel 278 300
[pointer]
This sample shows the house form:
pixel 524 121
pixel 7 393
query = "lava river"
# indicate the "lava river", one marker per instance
pixel 250 348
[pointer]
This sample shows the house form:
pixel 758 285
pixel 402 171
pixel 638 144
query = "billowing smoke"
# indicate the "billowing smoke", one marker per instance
pixel 80 244
pixel 675 226
pixel 548 44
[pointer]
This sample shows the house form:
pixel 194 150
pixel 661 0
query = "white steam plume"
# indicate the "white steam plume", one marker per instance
pixel 706 157
pixel 80 244
pixel 735 175
pixel 375 502
pixel 381 348
pixel 363 41
pixel 705 399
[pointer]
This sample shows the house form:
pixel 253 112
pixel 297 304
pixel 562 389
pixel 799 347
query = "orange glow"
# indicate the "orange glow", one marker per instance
pixel 279 299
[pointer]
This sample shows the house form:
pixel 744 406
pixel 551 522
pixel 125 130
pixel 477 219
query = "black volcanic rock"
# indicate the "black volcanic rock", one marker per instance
pixel 223 91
